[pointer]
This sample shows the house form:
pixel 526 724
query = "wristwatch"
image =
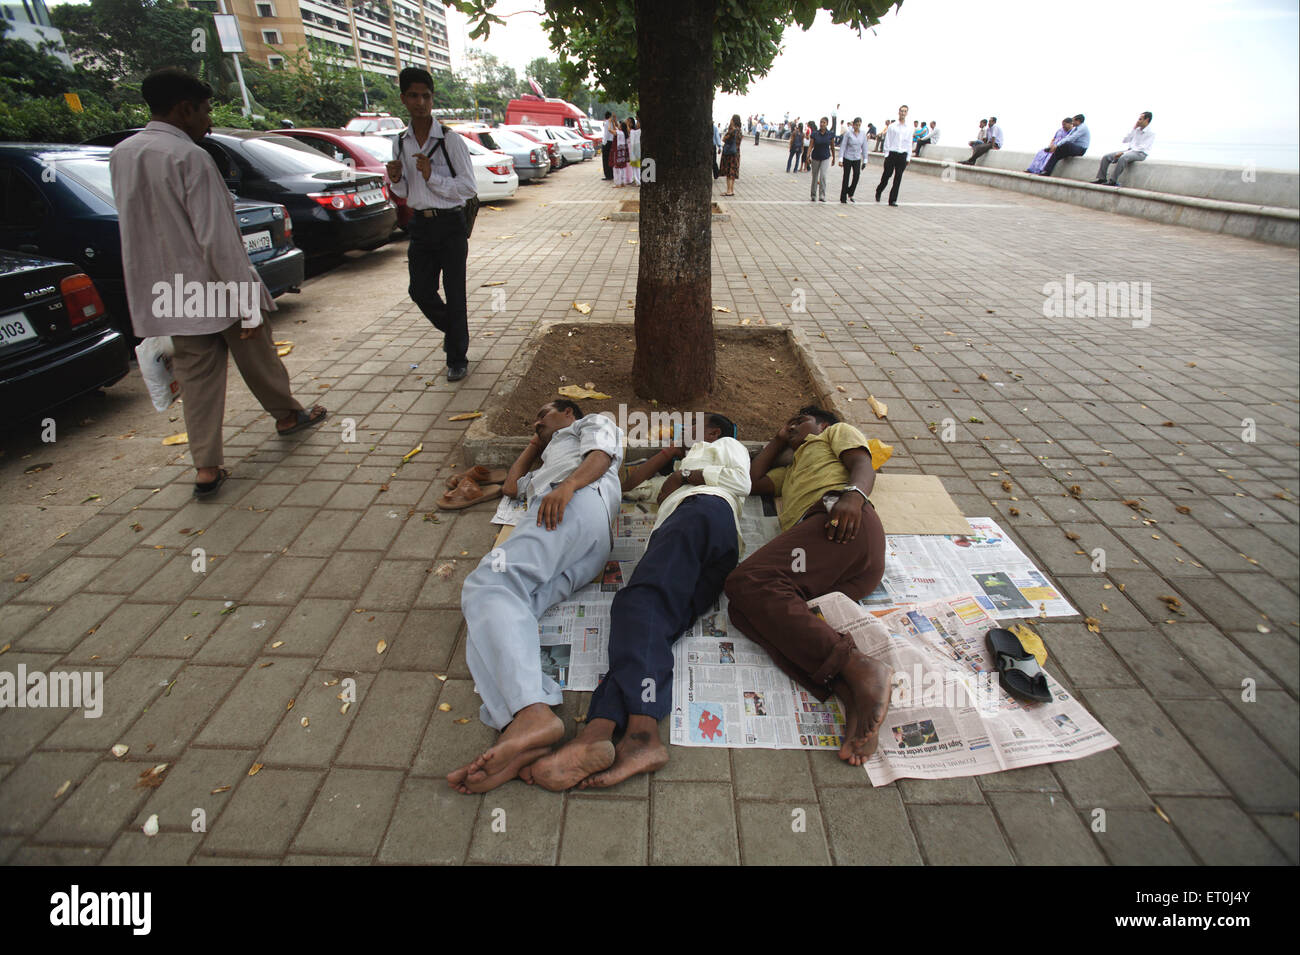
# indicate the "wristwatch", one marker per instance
pixel 853 487
pixel 686 475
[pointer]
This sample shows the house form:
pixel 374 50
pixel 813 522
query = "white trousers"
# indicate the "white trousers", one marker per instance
pixel 512 587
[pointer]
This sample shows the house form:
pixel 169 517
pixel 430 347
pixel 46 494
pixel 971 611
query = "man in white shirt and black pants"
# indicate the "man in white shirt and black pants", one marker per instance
pixel 1138 140
pixel 898 146
pixel 432 171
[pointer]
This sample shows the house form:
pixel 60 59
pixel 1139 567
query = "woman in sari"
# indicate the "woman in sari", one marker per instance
pixel 621 176
pixel 1040 159
pixel 730 165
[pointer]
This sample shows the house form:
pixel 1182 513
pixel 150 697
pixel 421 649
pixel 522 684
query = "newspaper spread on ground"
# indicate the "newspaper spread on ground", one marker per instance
pixel 920 568
pixel 948 714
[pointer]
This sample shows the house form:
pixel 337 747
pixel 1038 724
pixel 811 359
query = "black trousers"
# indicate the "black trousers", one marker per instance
pixel 976 152
pixel 438 249
pixel 605 150
pixel 716 171
pixel 895 164
pixel 1064 151
pixel 853 166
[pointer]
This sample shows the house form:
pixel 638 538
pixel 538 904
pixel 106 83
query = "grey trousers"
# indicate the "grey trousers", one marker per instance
pixel 819 172
pixel 1133 155
pixel 512 587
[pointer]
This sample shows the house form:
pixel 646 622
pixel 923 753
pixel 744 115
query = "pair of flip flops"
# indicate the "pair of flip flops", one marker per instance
pixel 471 487
pixel 1018 669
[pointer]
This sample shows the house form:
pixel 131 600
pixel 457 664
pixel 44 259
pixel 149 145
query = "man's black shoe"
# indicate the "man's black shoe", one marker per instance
pixel 457 372
pixel 851 199
pixel 894 204
pixel 1099 182
pixel 877 197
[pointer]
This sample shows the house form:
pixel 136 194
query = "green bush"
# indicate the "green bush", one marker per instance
pixel 51 120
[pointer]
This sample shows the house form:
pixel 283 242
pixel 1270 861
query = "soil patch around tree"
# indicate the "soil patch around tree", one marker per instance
pixel 761 378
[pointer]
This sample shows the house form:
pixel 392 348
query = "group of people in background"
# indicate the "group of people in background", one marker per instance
pixel 620 151
pixel 1072 139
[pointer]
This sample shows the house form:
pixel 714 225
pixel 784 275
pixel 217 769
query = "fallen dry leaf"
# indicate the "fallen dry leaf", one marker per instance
pixel 255 769
pixel 490 284
pixel 304 721
pixel 720 308
pixel 219 789
pixel 1172 603
pixel 175 439
pixel 381 646
pixel 62 789
pixel 445 707
pixel 283 348
pixel 1076 491
pixel 1006 485
pixel 1161 813
pixel 467 416
pixel 1183 509
pixel 879 407
pixel 1013 511
pixel 463 720
pixel 445 570
pixel 120 749
pixel 1071 535
pixel 1093 624
pixel 22 578
pixel 582 307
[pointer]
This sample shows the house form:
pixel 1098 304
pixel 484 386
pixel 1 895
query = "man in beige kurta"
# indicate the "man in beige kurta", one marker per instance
pixel 187 273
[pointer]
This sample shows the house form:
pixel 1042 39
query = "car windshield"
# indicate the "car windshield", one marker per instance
pixel 280 155
pixel 381 147
pixel 91 173
pixel 512 142
pixel 475 149
pixel 363 125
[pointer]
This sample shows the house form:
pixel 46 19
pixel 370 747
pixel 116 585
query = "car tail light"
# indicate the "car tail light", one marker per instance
pixel 288 225
pixel 499 170
pixel 81 300
pixel 336 200
pixel 534 158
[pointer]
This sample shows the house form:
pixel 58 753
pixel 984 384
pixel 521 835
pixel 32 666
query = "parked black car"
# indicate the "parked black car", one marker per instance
pixel 57 201
pixel 57 339
pixel 335 208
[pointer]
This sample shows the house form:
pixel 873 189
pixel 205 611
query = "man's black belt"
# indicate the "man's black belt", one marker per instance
pixel 434 213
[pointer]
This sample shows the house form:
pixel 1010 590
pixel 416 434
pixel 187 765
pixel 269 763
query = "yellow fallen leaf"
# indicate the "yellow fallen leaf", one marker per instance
pixel 291 704
pixel 462 720
pixel 304 721
pixel 344 709
pixel 879 407
pixel 277 645
pixel 720 308
pixel 283 348
pixel 566 233
pixel 22 578
pixel 255 769
pixel 1031 641
pixel 1161 813
pixel 441 676
pixel 414 451
pixel 62 789
pixel 445 707
pixel 5 648
pixel 175 439
pixel 744 321
pixel 575 391
pixel 490 284
pixel 582 307
pixel 467 416
pixel 381 646
pixel 219 789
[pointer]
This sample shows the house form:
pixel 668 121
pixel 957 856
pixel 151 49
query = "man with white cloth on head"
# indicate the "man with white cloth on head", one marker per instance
pixel 561 544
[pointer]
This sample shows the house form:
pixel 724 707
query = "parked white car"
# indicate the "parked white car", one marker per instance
pixel 570 152
pixel 494 172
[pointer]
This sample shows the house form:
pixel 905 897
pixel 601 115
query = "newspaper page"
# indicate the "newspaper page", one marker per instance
pixel 727 692
pixel 948 714
pixel 985 563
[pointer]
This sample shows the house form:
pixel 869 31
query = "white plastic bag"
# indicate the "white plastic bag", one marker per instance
pixel 155 358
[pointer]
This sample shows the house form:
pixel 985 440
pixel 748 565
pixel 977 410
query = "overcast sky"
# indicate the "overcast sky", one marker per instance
pixel 1221 76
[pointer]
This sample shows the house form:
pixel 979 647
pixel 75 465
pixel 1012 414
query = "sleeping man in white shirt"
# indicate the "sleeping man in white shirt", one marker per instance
pixel 561 544
pixel 695 544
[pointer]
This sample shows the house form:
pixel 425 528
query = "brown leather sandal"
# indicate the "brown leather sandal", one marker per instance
pixel 468 493
pixel 479 474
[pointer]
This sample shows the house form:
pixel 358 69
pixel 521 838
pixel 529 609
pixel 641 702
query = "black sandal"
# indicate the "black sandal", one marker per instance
pixel 208 488
pixel 1018 669
pixel 305 420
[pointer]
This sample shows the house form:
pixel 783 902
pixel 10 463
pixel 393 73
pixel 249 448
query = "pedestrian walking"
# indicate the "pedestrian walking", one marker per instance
pixel 854 155
pixel 731 154
pixel 178 225
pixel 898 146
pixel 823 157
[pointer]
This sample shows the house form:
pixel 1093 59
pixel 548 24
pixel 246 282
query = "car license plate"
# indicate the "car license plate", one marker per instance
pixel 15 328
pixel 257 242
pixel 371 196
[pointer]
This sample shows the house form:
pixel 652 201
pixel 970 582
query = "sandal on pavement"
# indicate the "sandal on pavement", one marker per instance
pixel 479 474
pixel 306 419
pixel 208 488
pixel 1018 670
pixel 468 493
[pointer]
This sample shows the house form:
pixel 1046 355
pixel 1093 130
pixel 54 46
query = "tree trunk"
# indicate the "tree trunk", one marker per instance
pixel 675 357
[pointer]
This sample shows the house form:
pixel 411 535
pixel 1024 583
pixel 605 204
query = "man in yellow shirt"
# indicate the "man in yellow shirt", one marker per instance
pixel 831 541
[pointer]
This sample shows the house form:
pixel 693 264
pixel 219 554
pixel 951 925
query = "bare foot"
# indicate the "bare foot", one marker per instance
pixel 574 762
pixel 533 726
pixel 463 782
pixel 639 751
pixel 864 685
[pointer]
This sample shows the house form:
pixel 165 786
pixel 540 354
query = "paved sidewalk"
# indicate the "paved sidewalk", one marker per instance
pixel 316 552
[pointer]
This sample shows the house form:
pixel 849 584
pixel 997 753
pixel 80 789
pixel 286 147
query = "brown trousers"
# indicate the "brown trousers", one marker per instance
pixel 200 367
pixel 769 590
